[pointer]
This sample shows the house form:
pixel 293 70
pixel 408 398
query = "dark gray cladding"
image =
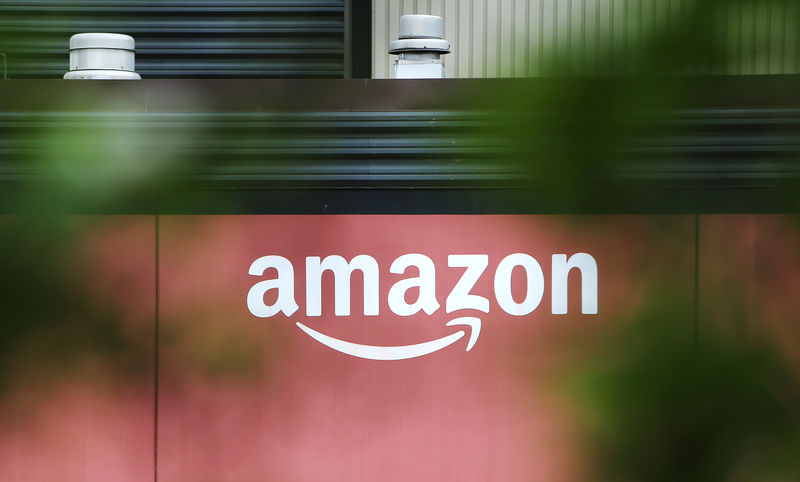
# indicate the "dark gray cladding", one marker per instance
pixel 182 39
pixel 719 145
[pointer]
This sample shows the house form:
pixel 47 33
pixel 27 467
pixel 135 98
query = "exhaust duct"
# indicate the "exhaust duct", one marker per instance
pixel 419 48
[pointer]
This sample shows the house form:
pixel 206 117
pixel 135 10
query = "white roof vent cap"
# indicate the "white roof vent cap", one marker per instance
pixel 419 48
pixel 420 33
pixel 421 26
pixel 102 56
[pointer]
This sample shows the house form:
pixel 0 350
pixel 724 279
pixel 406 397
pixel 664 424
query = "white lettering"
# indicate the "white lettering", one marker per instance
pixel 561 268
pixel 459 298
pixel 502 284
pixel 341 271
pixel 426 281
pixel 284 283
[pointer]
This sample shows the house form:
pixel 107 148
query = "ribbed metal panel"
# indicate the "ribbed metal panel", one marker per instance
pixel 531 38
pixel 182 39
pixel 307 146
pixel 721 145
pixel 726 144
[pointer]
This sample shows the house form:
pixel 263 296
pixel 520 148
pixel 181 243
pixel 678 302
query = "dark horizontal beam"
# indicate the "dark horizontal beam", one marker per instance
pixel 526 144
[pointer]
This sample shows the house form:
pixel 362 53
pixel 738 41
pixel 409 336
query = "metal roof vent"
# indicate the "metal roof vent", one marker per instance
pixel 101 56
pixel 419 48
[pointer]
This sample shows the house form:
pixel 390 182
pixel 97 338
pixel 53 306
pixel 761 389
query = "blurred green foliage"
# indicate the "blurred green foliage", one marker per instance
pixel 656 404
pixel 53 324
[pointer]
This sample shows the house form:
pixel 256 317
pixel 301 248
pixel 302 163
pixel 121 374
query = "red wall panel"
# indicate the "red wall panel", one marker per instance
pixel 248 398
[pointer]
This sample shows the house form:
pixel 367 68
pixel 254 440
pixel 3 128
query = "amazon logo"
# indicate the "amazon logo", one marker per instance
pixel 460 297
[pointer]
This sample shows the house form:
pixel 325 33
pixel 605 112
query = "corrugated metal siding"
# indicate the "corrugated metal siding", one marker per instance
pixel 270 146
pixel 182 39
pixel 520 38
pixel 729 143
pixel 712 145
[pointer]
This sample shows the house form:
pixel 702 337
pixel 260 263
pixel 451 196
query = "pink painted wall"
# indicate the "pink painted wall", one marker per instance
pixel 246 398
